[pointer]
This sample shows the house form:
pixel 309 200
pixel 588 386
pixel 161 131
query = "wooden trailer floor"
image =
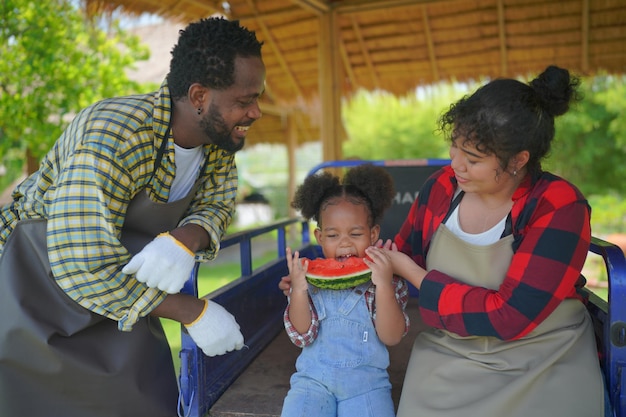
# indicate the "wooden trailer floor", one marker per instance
pixel 260 389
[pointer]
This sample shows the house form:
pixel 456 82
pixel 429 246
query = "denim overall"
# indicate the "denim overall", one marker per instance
pixel 344 372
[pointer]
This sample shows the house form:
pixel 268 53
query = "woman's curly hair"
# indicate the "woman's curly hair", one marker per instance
pixel 506 116
pixel 206 52
pixel 363 184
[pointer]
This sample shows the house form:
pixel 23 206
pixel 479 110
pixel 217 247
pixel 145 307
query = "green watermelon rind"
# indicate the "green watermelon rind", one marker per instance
pixel 339 283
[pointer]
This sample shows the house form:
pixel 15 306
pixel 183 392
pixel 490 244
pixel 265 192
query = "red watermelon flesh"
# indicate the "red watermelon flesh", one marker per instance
pixel 337 275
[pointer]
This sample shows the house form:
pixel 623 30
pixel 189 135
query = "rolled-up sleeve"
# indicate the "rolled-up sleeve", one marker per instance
pixel 302 339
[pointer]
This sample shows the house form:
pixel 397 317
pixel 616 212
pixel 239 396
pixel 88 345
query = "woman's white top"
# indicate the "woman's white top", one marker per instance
pixel 485 238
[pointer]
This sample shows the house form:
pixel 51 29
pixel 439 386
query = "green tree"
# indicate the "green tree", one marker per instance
pixel 590 144
pixel 53 62
pixel 382 126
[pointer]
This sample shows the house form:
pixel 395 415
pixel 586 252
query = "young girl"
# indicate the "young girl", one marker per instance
pixel 342 370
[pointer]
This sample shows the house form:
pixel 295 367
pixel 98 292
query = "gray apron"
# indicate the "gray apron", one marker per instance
pixel 58 359
pixel 552 371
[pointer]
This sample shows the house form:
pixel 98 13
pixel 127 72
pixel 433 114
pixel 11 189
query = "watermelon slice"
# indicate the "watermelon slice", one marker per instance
pixel 337 275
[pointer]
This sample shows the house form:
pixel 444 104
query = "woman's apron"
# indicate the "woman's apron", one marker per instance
pixel 552 371
pixel 58 359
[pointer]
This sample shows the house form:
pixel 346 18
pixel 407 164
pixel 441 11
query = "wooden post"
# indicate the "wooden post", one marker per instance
pixel 292 144
pixel 330 87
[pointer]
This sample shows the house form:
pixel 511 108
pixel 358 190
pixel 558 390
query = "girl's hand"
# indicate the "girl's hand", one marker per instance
pixel 296 280
pixel 380 263
pixel 285 285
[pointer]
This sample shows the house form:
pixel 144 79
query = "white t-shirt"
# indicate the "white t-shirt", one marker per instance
pixel 187 166
pixel 485 238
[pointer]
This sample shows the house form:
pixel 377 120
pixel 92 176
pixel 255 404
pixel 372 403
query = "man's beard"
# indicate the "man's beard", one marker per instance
pixel 219 134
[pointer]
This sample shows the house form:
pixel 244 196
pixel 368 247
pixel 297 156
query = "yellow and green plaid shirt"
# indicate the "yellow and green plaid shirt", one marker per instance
pixel 84 185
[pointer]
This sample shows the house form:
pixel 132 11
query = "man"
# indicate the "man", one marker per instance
pixel 152 176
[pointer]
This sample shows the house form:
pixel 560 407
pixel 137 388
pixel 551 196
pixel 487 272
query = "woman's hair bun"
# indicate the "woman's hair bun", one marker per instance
pixel 555 89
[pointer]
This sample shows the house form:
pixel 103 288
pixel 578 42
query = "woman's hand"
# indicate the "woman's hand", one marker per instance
pixel 404 266
pixel 388 244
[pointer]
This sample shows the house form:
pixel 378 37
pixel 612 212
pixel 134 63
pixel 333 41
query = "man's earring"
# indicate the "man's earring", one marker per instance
pixel 199 110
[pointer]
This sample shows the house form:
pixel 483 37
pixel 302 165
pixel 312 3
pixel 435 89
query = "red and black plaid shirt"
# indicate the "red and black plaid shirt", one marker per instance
pixel 552 234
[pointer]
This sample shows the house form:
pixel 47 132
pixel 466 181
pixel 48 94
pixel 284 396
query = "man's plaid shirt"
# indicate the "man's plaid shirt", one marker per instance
pixel 84 185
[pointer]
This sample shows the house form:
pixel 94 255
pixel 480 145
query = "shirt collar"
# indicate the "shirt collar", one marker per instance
pixel 162 113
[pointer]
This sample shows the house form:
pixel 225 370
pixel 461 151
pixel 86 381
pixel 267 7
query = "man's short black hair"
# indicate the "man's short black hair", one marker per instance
pixel 206 52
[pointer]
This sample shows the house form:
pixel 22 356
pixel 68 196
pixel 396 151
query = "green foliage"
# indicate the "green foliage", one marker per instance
pixel 12 169
pixel 608 214
pixel 382 126
pixel 590 144
pixel 55 62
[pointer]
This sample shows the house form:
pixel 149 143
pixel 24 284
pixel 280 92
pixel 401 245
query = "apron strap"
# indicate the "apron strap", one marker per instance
pixel 160 152
pixel 453 205
pixel 508 225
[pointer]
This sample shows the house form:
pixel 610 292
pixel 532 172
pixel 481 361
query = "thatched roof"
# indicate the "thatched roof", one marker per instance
pixel 317 48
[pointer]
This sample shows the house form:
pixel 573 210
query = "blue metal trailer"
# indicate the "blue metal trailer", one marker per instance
pixel 254 380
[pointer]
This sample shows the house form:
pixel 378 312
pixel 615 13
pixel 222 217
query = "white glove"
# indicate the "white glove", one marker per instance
pixel 215 331
pixel 164 263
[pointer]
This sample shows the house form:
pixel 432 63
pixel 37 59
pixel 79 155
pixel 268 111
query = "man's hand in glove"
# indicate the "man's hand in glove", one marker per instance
pixel 165 263
pixel 215 330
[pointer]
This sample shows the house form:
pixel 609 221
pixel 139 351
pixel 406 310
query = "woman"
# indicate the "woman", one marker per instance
pixel 496 246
